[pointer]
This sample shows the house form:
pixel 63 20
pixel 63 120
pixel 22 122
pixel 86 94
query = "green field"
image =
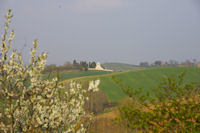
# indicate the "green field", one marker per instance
pixel 71 75
pixel 146 79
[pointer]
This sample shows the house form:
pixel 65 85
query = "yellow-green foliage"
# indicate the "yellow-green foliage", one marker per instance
pixel 175 108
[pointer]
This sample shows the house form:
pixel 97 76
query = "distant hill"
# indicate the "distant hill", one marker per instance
pixel 120 66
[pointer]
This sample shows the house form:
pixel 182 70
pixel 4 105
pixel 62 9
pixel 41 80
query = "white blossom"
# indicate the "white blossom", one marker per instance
pixel 31 102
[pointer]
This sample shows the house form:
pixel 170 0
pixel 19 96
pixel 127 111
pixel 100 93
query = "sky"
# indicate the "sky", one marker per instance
pixel 126 31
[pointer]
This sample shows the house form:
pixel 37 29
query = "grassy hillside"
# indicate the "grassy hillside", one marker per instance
pixel 120 66
pixel 71 75
pixel 147 79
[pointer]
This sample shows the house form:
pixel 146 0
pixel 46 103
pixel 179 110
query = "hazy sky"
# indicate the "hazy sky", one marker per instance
pixel 127 31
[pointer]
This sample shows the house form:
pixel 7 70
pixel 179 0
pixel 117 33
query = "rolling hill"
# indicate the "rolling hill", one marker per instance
pixel 146 79
pixel 120 66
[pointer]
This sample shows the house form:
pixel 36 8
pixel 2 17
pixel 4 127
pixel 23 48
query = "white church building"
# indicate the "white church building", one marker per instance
pixel 99 68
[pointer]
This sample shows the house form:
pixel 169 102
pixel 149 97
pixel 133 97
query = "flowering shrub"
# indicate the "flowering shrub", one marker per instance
pixel 30 104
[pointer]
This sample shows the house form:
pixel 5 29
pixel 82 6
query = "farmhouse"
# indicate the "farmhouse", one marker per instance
pixel 99 68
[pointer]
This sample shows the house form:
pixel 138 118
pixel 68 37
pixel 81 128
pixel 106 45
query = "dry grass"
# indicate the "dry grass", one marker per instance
pixel 104 123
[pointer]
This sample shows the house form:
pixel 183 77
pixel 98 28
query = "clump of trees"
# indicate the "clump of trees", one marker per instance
pixel 68 66
pixel 30 104
pixel 174 107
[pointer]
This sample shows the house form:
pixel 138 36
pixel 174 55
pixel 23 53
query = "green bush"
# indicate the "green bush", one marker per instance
pixel 175 107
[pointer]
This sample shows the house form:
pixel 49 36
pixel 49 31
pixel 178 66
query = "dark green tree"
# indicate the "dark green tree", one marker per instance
pixel 84 65
pixel 93 65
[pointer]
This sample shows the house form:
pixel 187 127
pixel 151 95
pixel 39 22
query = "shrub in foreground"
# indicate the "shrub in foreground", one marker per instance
pixel 30 104
pixel 175 107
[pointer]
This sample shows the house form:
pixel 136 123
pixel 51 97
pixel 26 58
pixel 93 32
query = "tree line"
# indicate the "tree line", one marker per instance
pixel 67 66
pixel 193 62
